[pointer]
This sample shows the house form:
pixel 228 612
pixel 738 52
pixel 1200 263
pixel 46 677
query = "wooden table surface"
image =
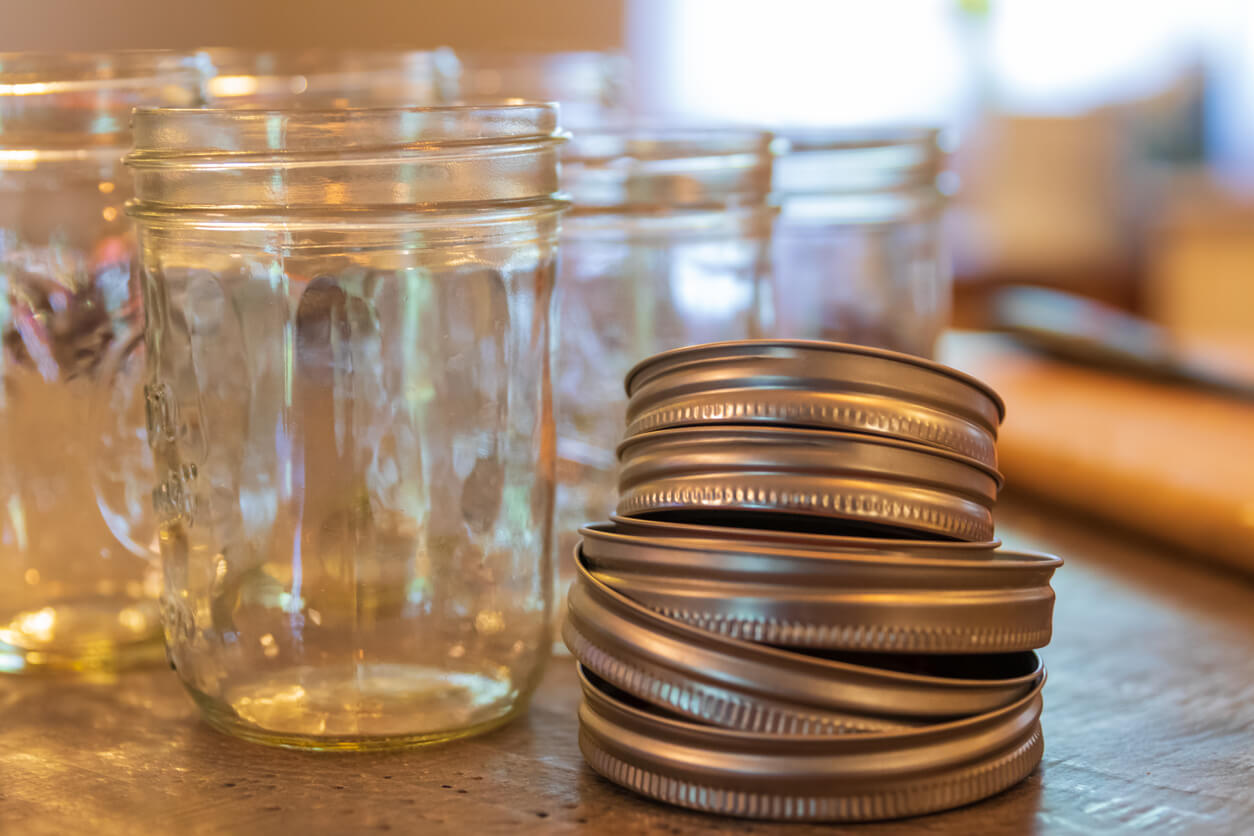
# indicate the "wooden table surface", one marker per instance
pixel 1149 728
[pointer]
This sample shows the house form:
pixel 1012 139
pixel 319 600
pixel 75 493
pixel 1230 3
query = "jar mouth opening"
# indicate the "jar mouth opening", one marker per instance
pixel 861 164
pixel 165 135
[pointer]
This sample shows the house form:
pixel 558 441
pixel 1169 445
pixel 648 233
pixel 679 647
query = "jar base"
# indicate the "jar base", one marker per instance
pixel 363 707
pixel 90 635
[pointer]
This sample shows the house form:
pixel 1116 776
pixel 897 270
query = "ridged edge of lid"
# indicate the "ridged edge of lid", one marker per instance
pixel 784 538
pixel 887 638
pixel 815 600
pixel 976 784
pixel 828 410
pixel 750 673
pixel 859 777
pixel 716 706
pixel 675 356
pixel 710 552
pixel 826 475
pixel 800 435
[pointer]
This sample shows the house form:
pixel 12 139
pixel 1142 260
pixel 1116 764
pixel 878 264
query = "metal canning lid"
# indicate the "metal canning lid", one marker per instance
pixel 875 601
pixel 805 777
pixel 821 385
pixel 738 684
pixel 868 480
pixel 729 536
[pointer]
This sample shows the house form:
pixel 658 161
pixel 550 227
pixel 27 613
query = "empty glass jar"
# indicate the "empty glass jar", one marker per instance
pixel 329 78
pixel 667 245
pixel 78 575
pixel 858 253
pixel 349 402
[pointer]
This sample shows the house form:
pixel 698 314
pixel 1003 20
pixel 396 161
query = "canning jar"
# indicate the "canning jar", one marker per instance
pixel 859 255
pixel 329 78
pixel 349 402
pixel 667 245
pixel 77 573
pixel 593 88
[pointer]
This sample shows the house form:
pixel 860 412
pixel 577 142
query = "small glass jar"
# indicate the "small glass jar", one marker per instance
pixel 329 78
pixel 593 88
pixel 349 402
pixel 667 245
pixel 78 577
pixel 859 255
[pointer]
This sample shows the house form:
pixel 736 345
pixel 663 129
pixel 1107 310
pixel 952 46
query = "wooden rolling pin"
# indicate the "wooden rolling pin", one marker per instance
pixel 1173 462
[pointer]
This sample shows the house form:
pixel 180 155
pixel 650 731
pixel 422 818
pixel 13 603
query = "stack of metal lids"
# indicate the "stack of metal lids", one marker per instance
pixel 799 611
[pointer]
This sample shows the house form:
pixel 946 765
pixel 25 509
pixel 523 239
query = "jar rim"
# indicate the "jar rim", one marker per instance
pixel 370 157
pixel 828 138
pixel 644 168
pixel 315 114
pixel 860 161
pixel 646 142
pixel 45 72
pixel 257 78
pixel 189 135
pixel 235 60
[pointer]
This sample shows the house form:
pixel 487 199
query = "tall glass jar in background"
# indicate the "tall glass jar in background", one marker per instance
pixel 349 403
pixel 858 253
pixel 77 574
pixel 667 245
pixel 329 78
pixel 593 88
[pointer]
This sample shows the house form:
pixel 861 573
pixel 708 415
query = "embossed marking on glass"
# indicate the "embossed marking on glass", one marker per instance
pixel 667 246
pixel 78 581
pixel 350 398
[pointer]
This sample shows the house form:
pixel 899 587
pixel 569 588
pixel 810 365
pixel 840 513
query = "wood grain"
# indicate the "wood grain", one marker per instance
pixel 1149 727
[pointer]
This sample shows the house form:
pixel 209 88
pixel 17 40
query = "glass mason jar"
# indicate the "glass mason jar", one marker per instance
pixel 593 88
pixel 667 245
pixel 329 78
pixel 78 577
pixel 858 252
pixel 349 402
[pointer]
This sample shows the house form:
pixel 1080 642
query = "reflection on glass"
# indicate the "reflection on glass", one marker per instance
pixel 351 417
pixel 667 246
pixel 858 254
pixel 78 581
pixel 329 78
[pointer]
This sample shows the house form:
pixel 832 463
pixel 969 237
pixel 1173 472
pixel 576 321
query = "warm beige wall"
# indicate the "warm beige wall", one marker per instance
pixel 179 24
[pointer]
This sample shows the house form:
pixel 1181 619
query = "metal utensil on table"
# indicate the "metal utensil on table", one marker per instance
pixel 1089 333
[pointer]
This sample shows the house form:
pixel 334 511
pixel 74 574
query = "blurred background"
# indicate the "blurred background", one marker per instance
pixel 1105 149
